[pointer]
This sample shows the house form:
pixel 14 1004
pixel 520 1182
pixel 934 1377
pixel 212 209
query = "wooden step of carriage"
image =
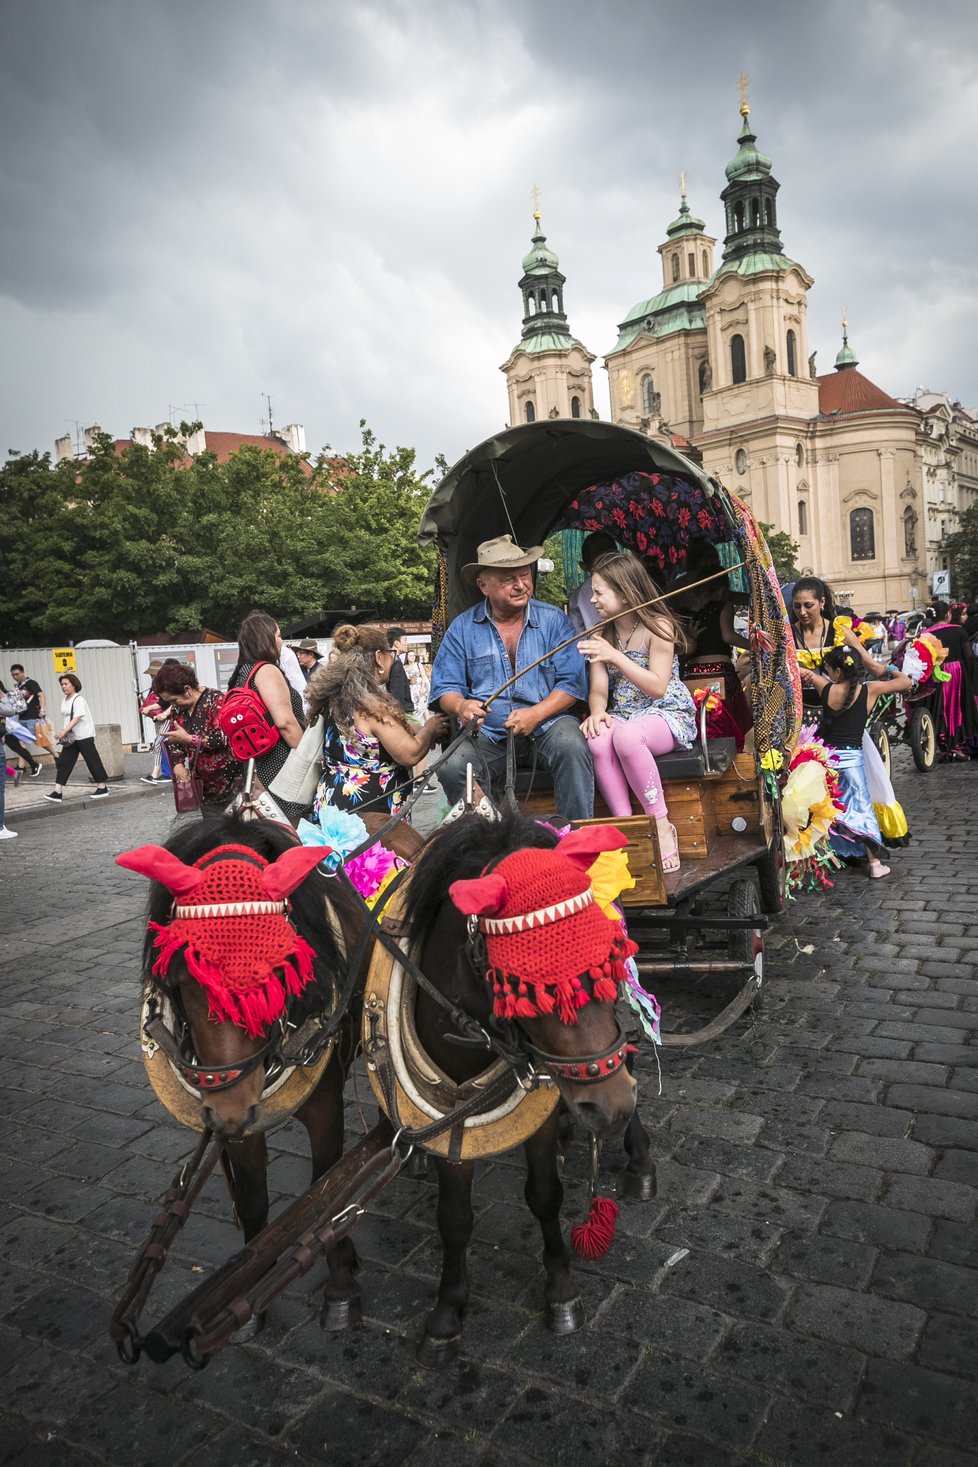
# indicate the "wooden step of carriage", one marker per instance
pixel 709 811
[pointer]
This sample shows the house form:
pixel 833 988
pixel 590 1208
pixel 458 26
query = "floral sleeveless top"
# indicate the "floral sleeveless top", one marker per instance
pixel 676 705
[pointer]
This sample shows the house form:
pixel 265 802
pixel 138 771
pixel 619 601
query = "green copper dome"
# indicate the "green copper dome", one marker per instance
pixel 540 260
pixel 749 164
pixel 847 357
pixel 687 223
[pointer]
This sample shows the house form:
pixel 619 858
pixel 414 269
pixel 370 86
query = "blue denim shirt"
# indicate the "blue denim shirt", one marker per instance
pixel 473 661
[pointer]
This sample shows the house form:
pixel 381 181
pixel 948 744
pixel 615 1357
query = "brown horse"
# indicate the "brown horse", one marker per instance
pixel 230 1063
pixel 437 935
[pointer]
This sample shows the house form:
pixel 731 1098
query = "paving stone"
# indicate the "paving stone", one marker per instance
pixel 920 1401
pixel 719 1232
pixel 805 1369
pixel 727 1285
pixel 796 1436
pixel 882 1151
pixel 831 1178
pixel 930 1100
pixel 667 1324
pixel 871 1120
pixel 871 1223
pixel 946 1054
pixel 932 1197
pixel 715 1122
pixel 865 1322
pixel 958 1166
pixel 699 1399
pixel 728 1160
pixel 909 1072
pixel 955 1243
pixel 950 1343
pixel 548 1425
pixel 824 1259
pixel 927 1282
pixel 947 1131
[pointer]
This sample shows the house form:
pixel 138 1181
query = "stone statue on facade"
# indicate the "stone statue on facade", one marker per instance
pixel 811 366
pixel 770 361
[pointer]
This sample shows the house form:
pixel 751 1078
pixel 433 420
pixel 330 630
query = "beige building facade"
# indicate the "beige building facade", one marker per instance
pixel 948 439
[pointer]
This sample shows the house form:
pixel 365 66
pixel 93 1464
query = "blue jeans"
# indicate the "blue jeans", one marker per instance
pixel 562 748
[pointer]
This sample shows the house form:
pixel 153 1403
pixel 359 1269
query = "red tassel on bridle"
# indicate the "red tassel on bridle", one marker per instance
pixel 593 1238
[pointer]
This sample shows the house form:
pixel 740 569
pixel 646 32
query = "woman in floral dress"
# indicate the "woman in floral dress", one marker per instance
pixel 369 743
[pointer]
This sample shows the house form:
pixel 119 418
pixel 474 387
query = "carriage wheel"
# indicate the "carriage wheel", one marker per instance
pixel 746 944
pixel 923 740
pixel 881 739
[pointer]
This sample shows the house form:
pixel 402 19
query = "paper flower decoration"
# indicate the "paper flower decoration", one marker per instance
pixel 336 830
pixel 372 871
pixel 808 810
pixel 610 876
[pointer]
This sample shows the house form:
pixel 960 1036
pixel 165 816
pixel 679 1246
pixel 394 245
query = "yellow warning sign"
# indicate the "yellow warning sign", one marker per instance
pixel 64 660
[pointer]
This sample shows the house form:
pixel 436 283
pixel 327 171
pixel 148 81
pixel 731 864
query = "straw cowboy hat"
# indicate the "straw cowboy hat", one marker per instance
pixel 500 554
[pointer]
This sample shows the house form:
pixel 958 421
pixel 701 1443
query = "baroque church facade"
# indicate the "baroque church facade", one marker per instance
pixel 718 363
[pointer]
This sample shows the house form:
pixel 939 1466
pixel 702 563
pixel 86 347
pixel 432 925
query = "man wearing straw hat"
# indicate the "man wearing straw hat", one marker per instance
pixel 483 648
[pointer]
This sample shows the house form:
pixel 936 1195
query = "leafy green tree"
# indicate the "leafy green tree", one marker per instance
pixel 962 548
pixel 373 514
pixel 553 586
pixel 784 552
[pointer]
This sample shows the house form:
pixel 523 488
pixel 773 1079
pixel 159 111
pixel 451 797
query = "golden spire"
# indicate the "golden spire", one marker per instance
pixel 845 326
pixel 743 81
pixel 682 183
pixel 536 203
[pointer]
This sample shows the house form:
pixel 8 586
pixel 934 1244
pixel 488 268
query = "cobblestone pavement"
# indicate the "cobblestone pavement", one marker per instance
pixel 820 1167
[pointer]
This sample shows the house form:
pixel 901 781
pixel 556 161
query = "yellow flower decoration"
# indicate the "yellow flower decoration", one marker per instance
pixel 372 901
pixel 772 761
pixel 610 876
pixel 807 809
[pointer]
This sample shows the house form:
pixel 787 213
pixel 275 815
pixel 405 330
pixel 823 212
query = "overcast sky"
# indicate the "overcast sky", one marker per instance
pixel 202 201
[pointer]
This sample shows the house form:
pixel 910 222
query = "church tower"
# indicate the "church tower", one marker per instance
pixel 548 373
pixel 756 304
pixel 657 368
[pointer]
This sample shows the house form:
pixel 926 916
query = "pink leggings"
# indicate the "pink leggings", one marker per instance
pixel 624 760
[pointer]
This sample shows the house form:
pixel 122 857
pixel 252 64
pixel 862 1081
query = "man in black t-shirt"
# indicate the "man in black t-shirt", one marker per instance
pixel 397 684
pixel 36 709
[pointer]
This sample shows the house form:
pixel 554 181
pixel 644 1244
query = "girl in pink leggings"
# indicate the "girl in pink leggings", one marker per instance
pixel 639 705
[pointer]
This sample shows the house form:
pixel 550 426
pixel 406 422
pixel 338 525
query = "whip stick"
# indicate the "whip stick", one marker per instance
pixel 580 636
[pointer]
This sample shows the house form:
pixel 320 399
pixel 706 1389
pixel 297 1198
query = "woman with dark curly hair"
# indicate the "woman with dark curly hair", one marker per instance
pixel 369 742
pixel 195 744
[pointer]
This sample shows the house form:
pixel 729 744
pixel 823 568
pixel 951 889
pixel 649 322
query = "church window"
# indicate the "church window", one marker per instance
pixel 738 218
pixel 648 395
pixel 755 211
pixel 862 535
pixel 575 407
pixel 543 300
pixel 740 461
pixel 529 413
pixel 531 305
pixel 799 454
pixel 738 359
pixel 802 517
pixel 769 211
pixel 792 361
pixel 675 267
pixel 691 262
pixel 556 302
pixel 706 263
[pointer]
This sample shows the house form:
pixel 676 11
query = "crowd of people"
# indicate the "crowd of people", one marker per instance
pixel 597 695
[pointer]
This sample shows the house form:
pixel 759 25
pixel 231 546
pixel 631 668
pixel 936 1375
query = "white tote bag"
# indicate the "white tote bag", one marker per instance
pixel 296 781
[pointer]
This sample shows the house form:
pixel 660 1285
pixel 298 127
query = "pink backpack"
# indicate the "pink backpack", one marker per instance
pixel 246 722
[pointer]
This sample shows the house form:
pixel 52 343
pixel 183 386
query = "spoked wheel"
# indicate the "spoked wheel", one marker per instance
pixel 881 739
pixel 923 740
pixel 746 944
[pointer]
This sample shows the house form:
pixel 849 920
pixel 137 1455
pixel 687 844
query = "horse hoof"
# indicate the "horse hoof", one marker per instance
pixel 416 1166
pixel 565 1319
pixel 434 1353
pixel 639 1186
pixel 340 1314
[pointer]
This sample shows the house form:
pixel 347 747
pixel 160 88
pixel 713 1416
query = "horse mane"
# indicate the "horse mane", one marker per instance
pixel 308 902
pixel 461 851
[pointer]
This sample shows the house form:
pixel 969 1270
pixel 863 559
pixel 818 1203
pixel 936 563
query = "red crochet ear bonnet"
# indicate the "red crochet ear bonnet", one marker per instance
pixel 231 927
pixel 543 929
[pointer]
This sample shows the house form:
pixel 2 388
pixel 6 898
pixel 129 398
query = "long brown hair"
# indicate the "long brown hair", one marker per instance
pixel 629 579
pixel 347 684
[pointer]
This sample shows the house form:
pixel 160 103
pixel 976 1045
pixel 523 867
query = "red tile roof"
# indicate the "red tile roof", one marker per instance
pixel 849 391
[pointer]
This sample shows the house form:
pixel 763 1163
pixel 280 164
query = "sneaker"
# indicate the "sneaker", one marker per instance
pixel 35 771
pixel 154 779
pixel 6 834
pixel 54 795
pixel 100 794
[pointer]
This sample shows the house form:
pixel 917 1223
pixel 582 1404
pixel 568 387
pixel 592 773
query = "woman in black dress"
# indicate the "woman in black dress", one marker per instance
pixel 260 642
pixel 957 724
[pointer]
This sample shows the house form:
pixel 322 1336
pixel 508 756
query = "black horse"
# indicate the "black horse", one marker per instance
pixel 211 1047
pixel 437 936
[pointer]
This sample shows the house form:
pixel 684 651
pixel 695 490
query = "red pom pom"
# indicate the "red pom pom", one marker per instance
pixel 593 1238
pixel 605 990
pixel 580 998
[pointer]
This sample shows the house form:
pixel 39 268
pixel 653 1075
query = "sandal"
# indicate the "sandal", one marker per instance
pixel 670 858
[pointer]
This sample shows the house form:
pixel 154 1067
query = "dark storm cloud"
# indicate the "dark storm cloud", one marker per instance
pixel 330 201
